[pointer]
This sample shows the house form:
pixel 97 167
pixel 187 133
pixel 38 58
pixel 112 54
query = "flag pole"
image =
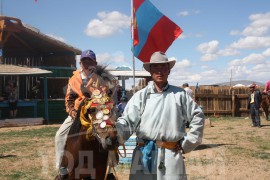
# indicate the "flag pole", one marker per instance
pixel 132 37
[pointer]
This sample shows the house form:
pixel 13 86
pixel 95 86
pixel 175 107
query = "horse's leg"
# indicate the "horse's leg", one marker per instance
pixel 100 158
pixel 266 113
pixel 265 106
pixel 101 166
pixel 71 156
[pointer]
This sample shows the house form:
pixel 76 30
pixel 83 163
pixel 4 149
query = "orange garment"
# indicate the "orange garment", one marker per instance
pixel 75 95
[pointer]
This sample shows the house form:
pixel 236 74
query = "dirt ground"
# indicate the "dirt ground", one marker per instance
pixel 231 149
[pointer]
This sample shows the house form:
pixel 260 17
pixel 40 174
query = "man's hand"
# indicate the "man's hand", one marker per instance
pixel 73 114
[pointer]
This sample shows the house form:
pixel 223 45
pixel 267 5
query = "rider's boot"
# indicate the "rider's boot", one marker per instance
pixel 111 176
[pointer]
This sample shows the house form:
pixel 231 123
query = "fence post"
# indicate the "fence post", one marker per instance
pixel 233 103
pixel 216 105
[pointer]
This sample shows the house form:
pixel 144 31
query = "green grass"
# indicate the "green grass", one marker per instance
pixel 260 143
pixel 261 155
pixel 25 175
pixel 240 151
pixel 199 161
pixel 45 132
pixel 227 118
pixel 194 177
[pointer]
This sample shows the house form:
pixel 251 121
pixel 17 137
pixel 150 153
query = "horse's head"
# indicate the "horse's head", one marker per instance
pixel 104 129
pixel 99 113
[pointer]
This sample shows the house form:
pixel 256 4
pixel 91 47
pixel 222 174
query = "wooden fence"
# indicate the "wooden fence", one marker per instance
pixel 223 100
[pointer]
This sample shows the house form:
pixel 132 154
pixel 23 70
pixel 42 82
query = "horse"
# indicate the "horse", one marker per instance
pixel 265 104
pixel 91 147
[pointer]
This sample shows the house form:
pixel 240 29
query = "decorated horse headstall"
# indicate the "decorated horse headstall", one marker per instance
pixel 97 113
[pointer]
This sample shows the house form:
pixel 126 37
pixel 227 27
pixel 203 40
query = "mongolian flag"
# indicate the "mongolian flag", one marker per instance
pixel 152 31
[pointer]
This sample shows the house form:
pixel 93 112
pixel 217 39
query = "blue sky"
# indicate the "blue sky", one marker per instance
pixel 221 39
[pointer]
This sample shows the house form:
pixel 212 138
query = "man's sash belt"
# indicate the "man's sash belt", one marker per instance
pixel 163 144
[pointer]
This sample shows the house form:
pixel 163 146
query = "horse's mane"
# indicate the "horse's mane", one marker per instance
pixel 102 72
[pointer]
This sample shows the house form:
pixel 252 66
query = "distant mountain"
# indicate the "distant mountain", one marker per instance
pixel 243 82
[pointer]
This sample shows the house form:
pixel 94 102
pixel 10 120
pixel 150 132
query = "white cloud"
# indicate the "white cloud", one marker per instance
pixel 112 60
pixel 209 73
pixel 266 53
pixel 204 67
pixel 255 31
pixel 208 57
pixel 235 32
pixel 107 24
pixel 182 36
pixel 187 13
pixel 190 35
pixel 209 47
pixel 56 37
pixel 259 25
pixel 235 62
pixel 182 64
pixel 183 13
pixel 228 52
pixel 251 42
pixel 253 59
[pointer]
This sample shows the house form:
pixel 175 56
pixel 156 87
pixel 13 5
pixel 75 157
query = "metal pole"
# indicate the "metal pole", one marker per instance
pixel 46 115
pixel 132 35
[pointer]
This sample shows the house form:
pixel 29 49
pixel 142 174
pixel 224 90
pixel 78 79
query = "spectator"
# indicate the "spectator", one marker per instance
pixel 121 106
pixel 11 91
pixel 254 103
pixel 188 90
pixel 36 92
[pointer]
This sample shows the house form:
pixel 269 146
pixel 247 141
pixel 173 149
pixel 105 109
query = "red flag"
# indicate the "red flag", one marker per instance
pixel 152 31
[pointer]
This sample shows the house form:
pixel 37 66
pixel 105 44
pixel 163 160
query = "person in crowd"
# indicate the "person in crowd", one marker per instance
pixel 188 90
pixel 122 105
pixel 267 88
pixel 157 114
pixel 36 92
pixel 254 103
pixel 12 96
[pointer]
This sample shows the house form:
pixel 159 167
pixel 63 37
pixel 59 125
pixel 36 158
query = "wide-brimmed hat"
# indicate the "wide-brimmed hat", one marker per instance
pixel 158 58
pixel 88 54
pixel 251 86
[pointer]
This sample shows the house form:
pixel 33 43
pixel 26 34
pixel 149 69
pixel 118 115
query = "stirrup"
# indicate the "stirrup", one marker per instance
pixel 63 173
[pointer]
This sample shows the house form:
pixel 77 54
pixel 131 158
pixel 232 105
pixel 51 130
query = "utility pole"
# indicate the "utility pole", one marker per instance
pixel 231 79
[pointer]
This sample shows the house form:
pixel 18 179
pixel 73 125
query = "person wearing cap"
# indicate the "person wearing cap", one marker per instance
pixel 254 104
pixel 188 90
pixel 79 87
pixel 157 114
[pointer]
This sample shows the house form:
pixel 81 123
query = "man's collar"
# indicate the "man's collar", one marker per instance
pixel 154 90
